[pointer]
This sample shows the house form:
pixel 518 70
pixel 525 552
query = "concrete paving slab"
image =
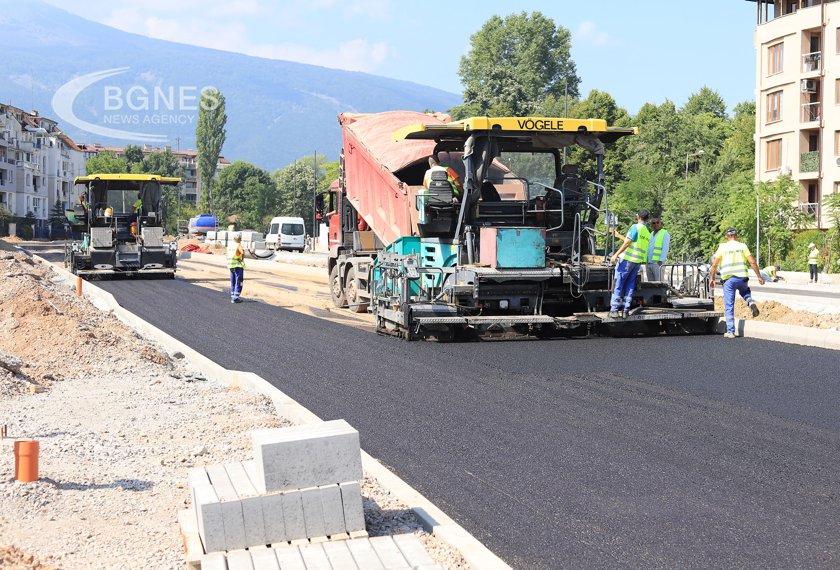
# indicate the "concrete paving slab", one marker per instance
pixel 340 557
pixel 264 559
pixel 315 557
pixel 214 561
pixel 388 552
pixel 364 554
pixel 293 515
pixel 289 558
pixel 351 500
pixel 273 520
pixel 251 503
pixel 231 507
pixel 413 550
pixel 313 512
pixel 333 510
pixel 239 560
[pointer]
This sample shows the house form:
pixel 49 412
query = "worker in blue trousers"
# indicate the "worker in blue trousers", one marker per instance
pixel 633 253
pixel 236 263
pixel 734 259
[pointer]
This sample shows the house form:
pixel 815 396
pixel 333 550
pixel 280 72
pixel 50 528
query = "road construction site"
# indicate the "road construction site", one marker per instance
pixel 608 452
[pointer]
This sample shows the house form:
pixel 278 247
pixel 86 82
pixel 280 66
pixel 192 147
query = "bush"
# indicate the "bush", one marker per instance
pixel 797 258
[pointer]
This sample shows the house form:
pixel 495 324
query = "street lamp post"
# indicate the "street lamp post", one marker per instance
pixel 691 155
pixel 758 229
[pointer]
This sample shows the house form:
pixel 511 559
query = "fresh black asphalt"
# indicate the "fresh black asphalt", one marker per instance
pixel 689 452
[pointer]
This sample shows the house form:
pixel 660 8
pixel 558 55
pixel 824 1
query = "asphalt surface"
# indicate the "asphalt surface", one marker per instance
pixel 691 452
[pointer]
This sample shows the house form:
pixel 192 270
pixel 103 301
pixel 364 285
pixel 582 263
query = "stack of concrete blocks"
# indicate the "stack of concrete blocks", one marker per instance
pixel 302 484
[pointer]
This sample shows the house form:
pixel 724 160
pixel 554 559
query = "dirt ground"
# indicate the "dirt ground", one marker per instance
pixel 775 312
pixel 119 425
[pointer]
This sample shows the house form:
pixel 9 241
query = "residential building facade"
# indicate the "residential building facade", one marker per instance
pixel 190 188
pixel 798 98
pixel 38 163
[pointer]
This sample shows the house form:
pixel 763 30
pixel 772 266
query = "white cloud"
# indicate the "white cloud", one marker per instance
pixel 588 33
pixel 225 25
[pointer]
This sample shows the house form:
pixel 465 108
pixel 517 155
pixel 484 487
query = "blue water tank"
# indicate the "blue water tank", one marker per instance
pixel 203 223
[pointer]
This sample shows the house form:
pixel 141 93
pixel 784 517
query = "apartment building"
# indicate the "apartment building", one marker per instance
pixel 798 98
pixel 38 163
pixel 188 159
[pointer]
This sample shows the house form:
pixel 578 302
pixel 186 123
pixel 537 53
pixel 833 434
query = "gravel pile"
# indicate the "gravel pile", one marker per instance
pixel 119 426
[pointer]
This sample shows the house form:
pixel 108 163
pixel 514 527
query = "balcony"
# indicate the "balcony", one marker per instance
pixel 811 61
pixel 809 161
pixel 810 112
pixel 810 209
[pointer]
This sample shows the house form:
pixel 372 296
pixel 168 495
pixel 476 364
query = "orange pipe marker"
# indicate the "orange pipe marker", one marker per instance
pixel 26 460
pixel 78 286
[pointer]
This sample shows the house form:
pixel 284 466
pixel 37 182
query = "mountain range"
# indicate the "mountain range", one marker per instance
pixel 277 110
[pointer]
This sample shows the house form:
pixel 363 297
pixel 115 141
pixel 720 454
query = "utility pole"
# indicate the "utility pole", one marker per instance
pixel 178 143
pixel 314 194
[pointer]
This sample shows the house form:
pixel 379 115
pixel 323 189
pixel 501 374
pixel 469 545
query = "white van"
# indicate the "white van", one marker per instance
pixel 286 232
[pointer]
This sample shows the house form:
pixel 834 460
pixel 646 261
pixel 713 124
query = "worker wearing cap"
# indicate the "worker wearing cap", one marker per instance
pixel 771 273
pixel 451 176
pixel 813 260
pixel 734 259
pixel 236 263
pixel 633 253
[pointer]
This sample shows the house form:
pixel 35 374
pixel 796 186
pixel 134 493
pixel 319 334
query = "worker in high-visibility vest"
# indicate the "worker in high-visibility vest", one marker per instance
pixel 771 273
pixel 633 253
pixel 813 261
pixel 236 263
pixel 451 176
pixel 734 260
pixel 660 244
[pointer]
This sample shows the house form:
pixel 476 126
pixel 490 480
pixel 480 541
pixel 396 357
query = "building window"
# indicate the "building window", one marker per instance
pixel 836 187
pixel 837 91
pixel 774 58
pixel 836 143
pixel 774 154
pixel 774 107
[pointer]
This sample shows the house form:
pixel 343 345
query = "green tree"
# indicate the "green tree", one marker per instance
pixel 706 101
pixel 296 187
pixel 210 137
pixel 514 64
pixel 832 206
pixel 5 217
pixel 57 218
pixel 163 163
pixel 133 155
pixel 106 162
pixel 246 191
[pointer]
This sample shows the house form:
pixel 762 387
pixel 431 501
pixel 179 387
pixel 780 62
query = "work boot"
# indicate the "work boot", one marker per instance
pixel 613 314
pixel 625 314
pixel 754 309
pixel 729 335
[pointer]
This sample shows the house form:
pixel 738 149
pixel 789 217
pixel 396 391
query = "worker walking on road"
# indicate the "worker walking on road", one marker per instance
pixel 633 253
pixel 734 259
pixel 236 262
pixel 813 261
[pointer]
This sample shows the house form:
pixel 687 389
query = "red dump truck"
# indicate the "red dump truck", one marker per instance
pixel 522 249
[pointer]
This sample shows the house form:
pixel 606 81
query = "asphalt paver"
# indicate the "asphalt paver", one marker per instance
pixel 600 453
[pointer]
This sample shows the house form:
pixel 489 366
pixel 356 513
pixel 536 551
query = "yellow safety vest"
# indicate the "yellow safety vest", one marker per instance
pixel 733 259
pixel 236 256
pixel 137 205
pixel 771 271
pixel 658 242
pixel 637 251
pixel 813 256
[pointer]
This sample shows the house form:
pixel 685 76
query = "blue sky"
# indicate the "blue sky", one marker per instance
pixel 639 52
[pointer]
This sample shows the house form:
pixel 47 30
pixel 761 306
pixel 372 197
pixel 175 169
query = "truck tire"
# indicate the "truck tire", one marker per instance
pixel 353 298
pixel 336 291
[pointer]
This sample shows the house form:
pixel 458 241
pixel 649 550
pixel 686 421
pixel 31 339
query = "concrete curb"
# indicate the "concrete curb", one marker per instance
pixel 434 520
pixel 791 334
